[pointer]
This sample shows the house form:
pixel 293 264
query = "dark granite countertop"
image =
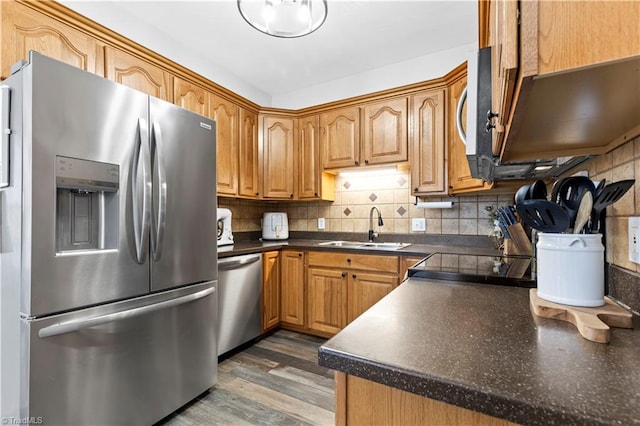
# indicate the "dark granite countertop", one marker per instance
pixel 479 346
pixel 256 246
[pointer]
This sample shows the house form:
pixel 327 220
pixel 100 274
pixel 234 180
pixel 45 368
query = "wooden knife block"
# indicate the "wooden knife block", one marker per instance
pixel 519 244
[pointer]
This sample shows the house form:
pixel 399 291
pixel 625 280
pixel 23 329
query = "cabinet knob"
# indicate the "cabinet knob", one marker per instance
pixel 357 162
pixel 415 189
pixel 315 194
pixel 491 115
pixel 344 274
pixel 353 276
pixel 348 260
pixel 490 126
pixel 291 195
pixel 299 254
pixel 257 193
pixel 366 161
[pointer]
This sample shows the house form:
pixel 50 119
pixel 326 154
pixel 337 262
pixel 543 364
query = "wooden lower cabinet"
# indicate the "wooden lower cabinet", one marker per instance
pixel 270 290
pixel 327 300
pixel 365 289
pixel 363 402
pixel 292 288
pixel 341 286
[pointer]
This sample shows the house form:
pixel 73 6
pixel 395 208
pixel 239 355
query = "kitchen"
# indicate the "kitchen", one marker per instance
pixel 467 219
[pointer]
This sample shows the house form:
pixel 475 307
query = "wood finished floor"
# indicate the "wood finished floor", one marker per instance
pixel 276 381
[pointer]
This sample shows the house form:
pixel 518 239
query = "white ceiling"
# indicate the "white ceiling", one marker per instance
pixel 390 43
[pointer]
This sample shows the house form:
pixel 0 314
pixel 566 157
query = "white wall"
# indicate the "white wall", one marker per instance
pixel 402 73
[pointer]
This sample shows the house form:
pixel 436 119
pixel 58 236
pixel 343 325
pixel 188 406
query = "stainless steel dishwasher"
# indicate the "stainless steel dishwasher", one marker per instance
pixel 239 300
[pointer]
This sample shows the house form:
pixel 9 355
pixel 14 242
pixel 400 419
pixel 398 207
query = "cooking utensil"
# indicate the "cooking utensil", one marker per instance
pixel 522 193
pixel 599 187
pixel 584 212
pixel 609 195
pixel 543 215
pixel 570 192
pixel 538 190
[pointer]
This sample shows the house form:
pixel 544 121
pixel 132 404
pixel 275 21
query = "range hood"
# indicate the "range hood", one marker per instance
pixel 482 162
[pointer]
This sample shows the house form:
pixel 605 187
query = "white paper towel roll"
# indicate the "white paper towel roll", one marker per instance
pixel 435 204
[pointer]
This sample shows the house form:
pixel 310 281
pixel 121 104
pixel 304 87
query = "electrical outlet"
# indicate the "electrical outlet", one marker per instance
pixel 418 224
pixel 634 239
pixel 321 223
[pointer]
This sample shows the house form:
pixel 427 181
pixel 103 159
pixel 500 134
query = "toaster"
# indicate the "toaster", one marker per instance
pixel 275 226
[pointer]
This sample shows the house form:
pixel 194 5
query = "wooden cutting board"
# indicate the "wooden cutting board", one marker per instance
pixel 592 323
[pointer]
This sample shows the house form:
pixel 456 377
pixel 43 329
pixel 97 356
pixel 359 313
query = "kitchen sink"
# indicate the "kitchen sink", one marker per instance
pixel 364 245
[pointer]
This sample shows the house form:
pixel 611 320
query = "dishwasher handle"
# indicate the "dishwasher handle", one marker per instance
pixel 234 263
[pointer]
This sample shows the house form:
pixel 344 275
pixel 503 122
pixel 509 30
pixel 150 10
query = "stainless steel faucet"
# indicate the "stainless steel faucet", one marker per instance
pixel 372 234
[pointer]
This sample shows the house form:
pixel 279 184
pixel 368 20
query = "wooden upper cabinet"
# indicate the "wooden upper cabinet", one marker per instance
pixel 278 156
pixel 428 171
pixel 226 116
pixel 546 55
pixel 248 155
pixel 126 69
pixel 460 180
pixel 504 64
pixel 310 181
pixel 384 132
pixel 340 137
pixel 190 97
pixel 24 29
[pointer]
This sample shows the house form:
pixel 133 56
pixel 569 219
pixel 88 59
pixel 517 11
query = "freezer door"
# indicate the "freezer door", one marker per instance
pixel 80 131
pixel 131 362
pixel 183 236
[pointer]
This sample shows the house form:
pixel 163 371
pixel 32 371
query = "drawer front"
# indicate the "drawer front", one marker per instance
pixel 369 262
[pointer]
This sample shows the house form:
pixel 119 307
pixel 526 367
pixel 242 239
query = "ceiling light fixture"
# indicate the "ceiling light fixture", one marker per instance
pixel 284 18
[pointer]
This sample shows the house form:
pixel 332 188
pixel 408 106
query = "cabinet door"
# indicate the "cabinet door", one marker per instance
pixel 126 69
pixel 278 167
pixel 270 290
pixel 460 180
pixel 340 137
pixel 326 300
pixel 428 171
pixel 292 288
pixel 384 132
pixel 190 97
pixel 309 157
pixel 226 115
pixel 248 155
pixel 504 64
pixel 365 289
pixel 24 29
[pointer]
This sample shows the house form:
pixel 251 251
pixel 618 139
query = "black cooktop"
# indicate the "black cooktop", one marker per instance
pixel 501 270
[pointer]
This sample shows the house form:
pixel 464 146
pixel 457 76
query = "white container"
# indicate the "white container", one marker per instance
pixel 571 268
pixel 275 226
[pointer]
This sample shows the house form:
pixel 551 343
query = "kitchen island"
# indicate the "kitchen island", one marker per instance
pixel 479 347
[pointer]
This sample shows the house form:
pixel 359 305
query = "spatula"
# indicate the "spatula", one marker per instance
pixel 584 211
pixel 543 215
pixel 609 195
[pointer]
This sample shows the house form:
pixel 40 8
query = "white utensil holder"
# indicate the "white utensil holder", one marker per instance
pixel 570 268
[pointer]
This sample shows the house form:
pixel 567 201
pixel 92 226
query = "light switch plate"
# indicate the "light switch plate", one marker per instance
pixel 321 223
pixel 418 224
pixel 634 239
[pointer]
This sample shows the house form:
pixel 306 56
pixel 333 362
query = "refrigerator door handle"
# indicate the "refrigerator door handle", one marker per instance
pixel 141 224
pixel 82 323
pixel 161 219
pixel 5 128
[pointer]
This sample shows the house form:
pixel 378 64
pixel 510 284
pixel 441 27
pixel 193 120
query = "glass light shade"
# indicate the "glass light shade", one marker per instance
pixel 284 18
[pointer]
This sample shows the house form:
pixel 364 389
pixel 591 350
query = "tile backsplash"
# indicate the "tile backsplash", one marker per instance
pixel 355 195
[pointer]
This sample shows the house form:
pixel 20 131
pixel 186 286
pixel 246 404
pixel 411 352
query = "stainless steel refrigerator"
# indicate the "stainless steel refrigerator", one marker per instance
pixel 109 255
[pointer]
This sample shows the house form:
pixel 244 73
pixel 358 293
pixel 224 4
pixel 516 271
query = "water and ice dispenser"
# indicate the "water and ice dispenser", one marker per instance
pixel 87 205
